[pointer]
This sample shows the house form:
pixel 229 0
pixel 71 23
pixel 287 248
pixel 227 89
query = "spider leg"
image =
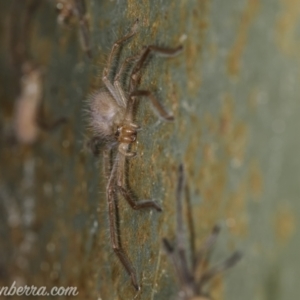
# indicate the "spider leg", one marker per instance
pixel 174 259
pixel 115 240
pixel 136 205
pixel 210 241
pixel 121 71
pixel 177 254
pixel 116 184
pixel 228 263
pixel 180 235
pixel 167 52
pixel 156 104
pixel 124 66
pixel 94 145
pixel 107 163
pixel 80 11
pixel 97 144
pixel 125 152
pixel 190 225
pixel 106 70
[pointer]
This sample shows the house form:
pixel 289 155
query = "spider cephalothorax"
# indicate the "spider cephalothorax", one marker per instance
pixel 111 118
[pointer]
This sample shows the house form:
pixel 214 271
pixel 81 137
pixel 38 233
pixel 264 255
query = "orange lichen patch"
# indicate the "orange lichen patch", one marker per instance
pixel 206 216
pixel 255 180
pixel 235 206
pixel 174 96
pixel 235 55
pixel 235 133
pixel 287 25
pixel 226 115
pixel 285 223
pixel 194 47
pixel 212 179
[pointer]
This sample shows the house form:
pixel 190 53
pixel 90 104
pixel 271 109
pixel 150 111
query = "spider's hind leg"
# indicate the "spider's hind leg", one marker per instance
pixel 137 205
pixel 121 186
pixel 114 233
pixel 116 184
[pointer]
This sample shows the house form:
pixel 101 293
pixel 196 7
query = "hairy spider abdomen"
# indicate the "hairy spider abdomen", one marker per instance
pixel 105 114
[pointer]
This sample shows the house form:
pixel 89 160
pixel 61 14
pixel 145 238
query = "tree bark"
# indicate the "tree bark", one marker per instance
pixel 234 94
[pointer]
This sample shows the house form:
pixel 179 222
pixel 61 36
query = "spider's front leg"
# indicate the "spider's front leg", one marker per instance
pixel 135 76
pixel 107 70
pixel 135 79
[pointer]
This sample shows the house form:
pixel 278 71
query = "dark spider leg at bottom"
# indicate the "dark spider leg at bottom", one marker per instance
pixel 191 282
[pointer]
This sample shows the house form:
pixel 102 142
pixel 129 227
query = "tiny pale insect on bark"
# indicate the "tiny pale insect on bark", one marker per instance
pixel 111 118
pixel 193 277
pixel 29 116
pixel 27 104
